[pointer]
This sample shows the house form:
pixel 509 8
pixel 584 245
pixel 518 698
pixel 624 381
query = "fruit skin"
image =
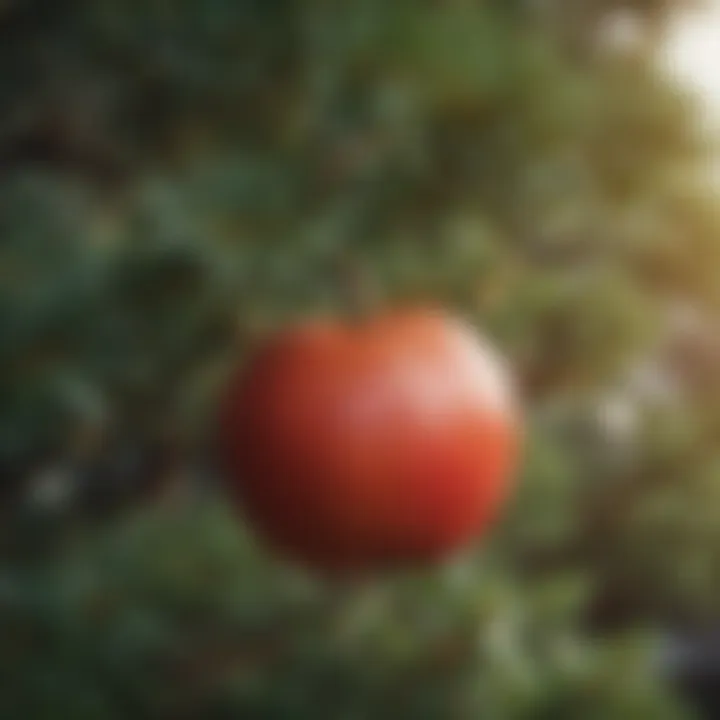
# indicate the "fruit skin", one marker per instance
pixel 358 446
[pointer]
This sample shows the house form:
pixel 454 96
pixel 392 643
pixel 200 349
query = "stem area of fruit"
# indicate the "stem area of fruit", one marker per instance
pixel 357 292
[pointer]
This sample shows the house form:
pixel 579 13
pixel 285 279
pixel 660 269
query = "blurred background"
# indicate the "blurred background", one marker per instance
pixel 177 176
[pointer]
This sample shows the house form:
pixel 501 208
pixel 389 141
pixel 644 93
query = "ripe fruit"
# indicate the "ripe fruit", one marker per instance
pixel 389 441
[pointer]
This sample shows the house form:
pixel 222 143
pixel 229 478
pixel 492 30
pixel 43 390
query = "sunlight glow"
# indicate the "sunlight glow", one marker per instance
pixel 692 55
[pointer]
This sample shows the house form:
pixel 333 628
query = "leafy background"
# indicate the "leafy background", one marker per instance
pixel 178 176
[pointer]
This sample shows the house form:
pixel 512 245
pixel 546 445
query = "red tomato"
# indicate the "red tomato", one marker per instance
pixel 387 442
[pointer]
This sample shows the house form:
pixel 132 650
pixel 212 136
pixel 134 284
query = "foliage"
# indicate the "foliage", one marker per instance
pixel 175 614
